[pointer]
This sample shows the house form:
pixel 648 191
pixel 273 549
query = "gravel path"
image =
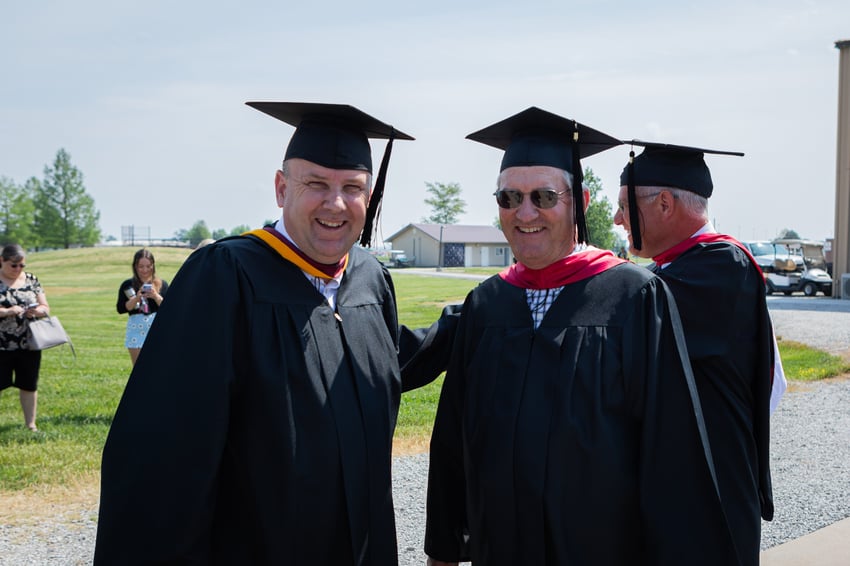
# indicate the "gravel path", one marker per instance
pixel 810 460
pixel 820 322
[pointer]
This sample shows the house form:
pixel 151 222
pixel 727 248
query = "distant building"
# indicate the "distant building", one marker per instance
pixel 463 246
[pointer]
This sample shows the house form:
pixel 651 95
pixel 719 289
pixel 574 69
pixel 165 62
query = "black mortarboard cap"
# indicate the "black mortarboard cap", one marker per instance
pixel 537 137
pixel 336 136
pixel 665 165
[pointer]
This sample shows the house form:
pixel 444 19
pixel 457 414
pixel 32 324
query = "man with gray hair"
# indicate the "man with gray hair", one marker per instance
pixel 569 429
pixel 719 290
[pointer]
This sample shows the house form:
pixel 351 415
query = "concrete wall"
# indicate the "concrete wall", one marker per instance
pixel 419 246
pixel 425 250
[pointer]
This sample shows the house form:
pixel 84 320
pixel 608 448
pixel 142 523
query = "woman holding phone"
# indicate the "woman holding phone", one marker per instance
pixel 140 297
pixel 21 298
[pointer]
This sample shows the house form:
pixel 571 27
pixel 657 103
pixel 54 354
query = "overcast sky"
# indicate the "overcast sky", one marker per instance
pixel 148 99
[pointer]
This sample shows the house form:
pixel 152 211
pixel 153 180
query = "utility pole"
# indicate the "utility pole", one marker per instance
pixel 841 239
pixel 440 252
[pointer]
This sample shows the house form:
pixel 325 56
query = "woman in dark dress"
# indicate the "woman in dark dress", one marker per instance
pixel 21 298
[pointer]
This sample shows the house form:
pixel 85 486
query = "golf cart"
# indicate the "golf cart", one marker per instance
pixel 788 276
pixel 766 253
pixel 393 258
pixel 401 260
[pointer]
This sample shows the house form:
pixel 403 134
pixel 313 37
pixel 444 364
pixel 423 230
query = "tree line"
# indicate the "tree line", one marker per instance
pixel 57 212
pixel 200 232
pixel 52 212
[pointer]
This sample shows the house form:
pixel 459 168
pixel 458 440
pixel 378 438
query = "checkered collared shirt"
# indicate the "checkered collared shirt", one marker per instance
pixel 539 301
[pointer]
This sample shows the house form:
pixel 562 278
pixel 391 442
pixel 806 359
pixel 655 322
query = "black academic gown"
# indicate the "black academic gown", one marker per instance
pixel 721 301
pixel 256 427
pixel 576 443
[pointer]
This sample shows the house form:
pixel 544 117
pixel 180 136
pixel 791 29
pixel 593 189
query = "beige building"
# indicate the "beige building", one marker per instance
pixel 463 246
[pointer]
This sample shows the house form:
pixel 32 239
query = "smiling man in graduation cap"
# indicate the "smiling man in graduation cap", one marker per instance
pixel 568 429
pixel 257 426
pixel 719 289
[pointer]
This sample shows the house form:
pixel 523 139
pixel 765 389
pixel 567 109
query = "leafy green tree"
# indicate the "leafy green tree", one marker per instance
pixel 24 232
pixel 65 214
pixel 196 233
pixel 445 202
pixel 788 234
pixel 16 212
pixel 8 192
pixel 199 231
pixel 241 229
pixel 600 220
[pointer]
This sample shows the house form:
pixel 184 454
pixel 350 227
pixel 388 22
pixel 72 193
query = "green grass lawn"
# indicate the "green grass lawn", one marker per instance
pixel 78 398
pixel 420 302
pixel 802 363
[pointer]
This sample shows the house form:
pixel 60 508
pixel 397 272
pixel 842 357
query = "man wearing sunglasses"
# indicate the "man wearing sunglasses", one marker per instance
pixel 719 290
pixel 568 429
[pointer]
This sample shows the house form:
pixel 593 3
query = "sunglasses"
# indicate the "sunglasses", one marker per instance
pixel 17 265
pixel 541 198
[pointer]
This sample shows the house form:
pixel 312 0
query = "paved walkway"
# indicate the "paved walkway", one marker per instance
pixel 830 546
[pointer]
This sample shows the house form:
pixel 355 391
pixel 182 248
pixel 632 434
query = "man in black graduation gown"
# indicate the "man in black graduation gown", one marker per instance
pixel 568 430
pixel 257 426
pixel 720 293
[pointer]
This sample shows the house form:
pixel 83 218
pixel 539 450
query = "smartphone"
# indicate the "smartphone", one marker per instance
pixel 147 288
pixel 32 305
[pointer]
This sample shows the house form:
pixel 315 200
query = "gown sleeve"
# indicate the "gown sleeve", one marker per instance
pixel 161 459
pixel 446 528
pixel 121 302
pixel 424 352
pixel 683 520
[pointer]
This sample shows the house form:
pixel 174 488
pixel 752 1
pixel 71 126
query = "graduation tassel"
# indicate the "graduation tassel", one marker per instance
pixel 634 213
pixel 377 193
pixel 578 190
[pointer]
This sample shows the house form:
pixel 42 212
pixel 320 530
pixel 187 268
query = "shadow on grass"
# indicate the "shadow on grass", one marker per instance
pixel 51 427
pixel 78 420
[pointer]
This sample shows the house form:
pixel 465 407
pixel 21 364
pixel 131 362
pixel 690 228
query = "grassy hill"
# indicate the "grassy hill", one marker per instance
pixel 77 398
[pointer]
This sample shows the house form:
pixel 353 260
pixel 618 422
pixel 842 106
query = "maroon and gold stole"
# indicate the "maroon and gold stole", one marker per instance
pixel 292 254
